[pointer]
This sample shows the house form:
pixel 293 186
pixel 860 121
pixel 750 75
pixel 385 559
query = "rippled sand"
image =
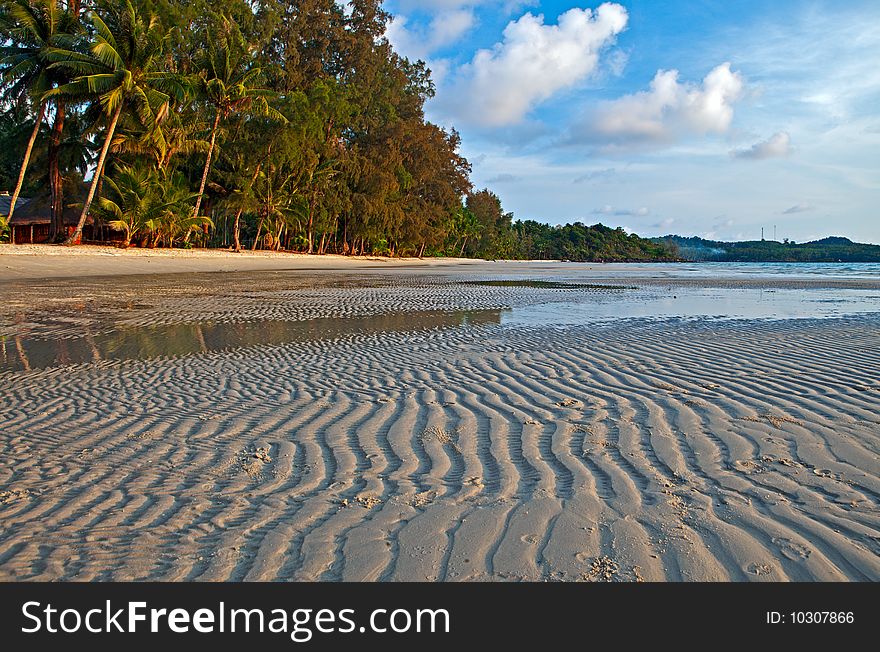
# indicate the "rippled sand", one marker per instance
pixel 412 435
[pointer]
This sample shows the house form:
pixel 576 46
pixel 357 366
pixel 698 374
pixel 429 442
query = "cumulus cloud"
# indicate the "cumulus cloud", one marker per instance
pixel 533 62
pixel 778 145
pixel 668 109
pixel 610 210
pixel 798 208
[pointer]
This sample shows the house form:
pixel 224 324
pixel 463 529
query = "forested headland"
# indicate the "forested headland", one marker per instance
pixel 265 124
pixel 826 250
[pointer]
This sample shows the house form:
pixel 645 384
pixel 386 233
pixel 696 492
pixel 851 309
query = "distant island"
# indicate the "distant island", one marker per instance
pixel 826 250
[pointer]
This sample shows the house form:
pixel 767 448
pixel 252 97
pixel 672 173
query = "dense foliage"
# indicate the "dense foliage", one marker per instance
pixel 273 124
pixel 578 242
pixel 827 250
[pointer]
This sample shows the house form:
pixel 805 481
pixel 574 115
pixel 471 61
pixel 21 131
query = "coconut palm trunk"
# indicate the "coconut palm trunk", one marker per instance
pixel 56 181
pixel 207 164
pixel 311 228
pixel 236 229
pixel 99 170
pixel 27 159
pixel 259 229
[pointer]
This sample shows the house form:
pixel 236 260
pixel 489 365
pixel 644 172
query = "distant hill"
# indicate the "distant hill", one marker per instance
pixel 827 250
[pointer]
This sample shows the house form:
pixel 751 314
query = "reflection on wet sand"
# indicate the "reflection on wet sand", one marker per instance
pixel 547 285
pixel 20 353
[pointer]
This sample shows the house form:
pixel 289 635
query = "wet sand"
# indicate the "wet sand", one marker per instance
pixel 404 425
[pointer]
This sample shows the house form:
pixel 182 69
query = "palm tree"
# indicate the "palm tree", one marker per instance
pixel 237 189
pixel 123 69
pixel 175 219
pixel 4 228
pixel 144 200
pixel 228 82
pixel 35 27
pixel 176 135
pixel 131 201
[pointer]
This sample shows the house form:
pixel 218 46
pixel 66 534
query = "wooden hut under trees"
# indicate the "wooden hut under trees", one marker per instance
pixel 32 220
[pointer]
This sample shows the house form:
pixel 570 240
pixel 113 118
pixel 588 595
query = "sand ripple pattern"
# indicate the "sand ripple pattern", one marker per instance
pixel 683 451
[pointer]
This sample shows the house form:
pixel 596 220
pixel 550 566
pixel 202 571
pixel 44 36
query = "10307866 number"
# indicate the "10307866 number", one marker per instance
pixel 811 617
pixel 832 617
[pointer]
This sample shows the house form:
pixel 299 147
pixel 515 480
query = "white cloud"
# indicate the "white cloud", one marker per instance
pixel 616 62
pixel 418 42
pixel 533 62
pixel 438 23
pixel 610 210
pixel 778 145
pixel 437 5
pixel 596 175
pixel 504 177
pixel 440 5
pixel 669 109
pixel 799 208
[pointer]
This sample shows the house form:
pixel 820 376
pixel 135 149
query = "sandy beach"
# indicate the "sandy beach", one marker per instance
pixel 31 261
pixel 303 419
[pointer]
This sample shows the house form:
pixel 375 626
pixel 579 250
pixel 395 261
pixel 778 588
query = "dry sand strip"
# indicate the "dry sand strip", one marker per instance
pixel 671 451
pixel 19 262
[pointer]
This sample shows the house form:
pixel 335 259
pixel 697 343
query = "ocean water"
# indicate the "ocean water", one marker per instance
pixel 717 304
pixel 738 295
pixel 735 270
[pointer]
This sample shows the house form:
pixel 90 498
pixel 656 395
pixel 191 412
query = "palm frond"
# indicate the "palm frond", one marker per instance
pixel 103 32
pixel 107 55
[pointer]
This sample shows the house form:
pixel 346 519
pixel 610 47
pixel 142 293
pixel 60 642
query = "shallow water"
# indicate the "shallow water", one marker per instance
pixel 700 303
pixel 164 340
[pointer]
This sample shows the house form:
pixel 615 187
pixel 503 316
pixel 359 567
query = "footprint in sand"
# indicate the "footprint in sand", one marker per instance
pixel 603 569
pixel 13 495
pixel 760 569
pixel 791 549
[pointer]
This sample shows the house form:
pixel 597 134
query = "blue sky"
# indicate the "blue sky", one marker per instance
pixel 700 118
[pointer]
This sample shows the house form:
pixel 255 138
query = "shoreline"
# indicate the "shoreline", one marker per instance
pixel 80 269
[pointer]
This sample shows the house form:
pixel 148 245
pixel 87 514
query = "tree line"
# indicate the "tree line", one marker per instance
pixel 268 124
pixel 826 250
